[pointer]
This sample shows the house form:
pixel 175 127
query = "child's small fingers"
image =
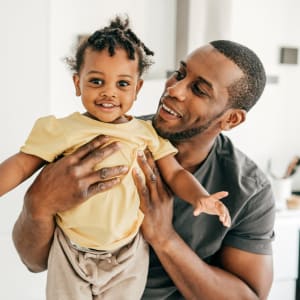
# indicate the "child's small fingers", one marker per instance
pixel 221 195
pixel 197 212
pixel 221 208
pixel 228 221
pixel 225 219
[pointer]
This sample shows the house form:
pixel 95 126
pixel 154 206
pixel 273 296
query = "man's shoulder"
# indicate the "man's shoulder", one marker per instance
pixel 226 150
pixel 145 117
pixel 237 162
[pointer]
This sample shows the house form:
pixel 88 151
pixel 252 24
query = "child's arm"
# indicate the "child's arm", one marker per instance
pixel 187 187
pixel 16 169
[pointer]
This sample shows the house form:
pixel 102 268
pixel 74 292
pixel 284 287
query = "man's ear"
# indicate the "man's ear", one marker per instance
pixel 138 87
pixel 232 118
pixel 76 82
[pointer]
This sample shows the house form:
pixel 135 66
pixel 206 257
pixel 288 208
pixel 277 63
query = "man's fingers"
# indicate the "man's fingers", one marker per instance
pixel 102 186
pixel 104 179
pixel 97 155
pixel 148 167
pixel 160 185
pixel 150 160
pixel 156 189
pixel 141 188
pixel 84 150
pixel 144 164
pixel 108 173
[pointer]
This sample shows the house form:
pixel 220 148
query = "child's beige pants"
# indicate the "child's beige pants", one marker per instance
pixel 92 275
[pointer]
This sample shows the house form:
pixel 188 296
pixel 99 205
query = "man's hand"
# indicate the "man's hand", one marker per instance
pixel 248 275
pixel 156 202
pixel 61 186
pixel 72 180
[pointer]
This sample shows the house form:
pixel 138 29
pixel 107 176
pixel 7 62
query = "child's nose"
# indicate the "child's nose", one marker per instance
pixel 108 93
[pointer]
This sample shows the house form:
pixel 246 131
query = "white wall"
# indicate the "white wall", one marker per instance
pixel 36 35
pixel 274 124
pixel 25 96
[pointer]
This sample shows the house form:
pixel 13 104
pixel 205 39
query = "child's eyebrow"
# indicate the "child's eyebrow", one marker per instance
pixel 94 72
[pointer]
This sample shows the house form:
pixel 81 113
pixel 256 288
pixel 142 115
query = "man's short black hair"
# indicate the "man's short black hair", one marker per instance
pixel 245 92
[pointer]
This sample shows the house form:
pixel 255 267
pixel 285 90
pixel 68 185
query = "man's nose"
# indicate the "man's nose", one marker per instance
pixel 177 90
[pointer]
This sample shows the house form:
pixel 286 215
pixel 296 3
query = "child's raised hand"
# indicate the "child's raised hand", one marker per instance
pixel 213 206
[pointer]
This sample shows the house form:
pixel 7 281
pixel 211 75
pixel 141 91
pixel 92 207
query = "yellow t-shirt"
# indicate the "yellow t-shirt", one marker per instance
pixel 109 219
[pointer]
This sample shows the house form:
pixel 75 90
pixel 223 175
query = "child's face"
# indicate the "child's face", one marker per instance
pixel 108 85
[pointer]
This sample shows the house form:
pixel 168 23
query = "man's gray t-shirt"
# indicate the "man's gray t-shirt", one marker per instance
pixel 251 206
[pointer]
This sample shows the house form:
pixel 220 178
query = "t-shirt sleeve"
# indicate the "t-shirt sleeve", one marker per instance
pixel 159 146
pixel 254 228
pixel 165 148
pixel 46 139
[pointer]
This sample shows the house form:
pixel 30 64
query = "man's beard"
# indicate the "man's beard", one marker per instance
pixel 185 134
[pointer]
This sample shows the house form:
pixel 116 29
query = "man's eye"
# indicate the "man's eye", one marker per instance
pixel 123 83
pixel 198 91
pixel 96 81
pixel 179 75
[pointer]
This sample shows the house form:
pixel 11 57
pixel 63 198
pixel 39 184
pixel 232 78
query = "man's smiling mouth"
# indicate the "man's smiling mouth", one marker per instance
pixel 170 111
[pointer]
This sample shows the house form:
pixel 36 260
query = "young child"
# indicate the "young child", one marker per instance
pixel 97 250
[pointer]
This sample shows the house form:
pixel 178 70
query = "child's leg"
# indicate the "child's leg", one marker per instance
pixel 65 281
pixel 129 274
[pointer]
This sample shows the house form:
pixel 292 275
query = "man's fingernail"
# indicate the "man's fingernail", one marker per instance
pixel 136 171
pixel 125 168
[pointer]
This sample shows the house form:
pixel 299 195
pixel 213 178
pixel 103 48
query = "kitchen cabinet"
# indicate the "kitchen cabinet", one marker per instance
pixel 285 255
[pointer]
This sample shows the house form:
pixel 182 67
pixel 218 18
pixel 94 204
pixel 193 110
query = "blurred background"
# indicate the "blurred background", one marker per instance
pixel 36 35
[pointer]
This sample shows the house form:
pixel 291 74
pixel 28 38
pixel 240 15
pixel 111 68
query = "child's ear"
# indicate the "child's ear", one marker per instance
pixel 232 118
pixel 138 87
pixel 76 82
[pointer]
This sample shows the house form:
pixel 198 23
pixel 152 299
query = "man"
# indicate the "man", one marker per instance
pixel 191 257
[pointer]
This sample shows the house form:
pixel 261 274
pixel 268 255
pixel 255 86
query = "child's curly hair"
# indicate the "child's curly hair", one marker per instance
pixel 116 35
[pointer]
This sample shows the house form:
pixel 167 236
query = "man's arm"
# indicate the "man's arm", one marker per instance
pixel 61 186
pixel 32 238
pixel 243 275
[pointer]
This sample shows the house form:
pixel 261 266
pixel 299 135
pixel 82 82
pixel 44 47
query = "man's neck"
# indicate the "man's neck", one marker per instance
pixel 192 153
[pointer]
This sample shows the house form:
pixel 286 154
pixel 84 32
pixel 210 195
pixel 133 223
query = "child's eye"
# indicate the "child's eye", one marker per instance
pixel 123 83
pixel 96 81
